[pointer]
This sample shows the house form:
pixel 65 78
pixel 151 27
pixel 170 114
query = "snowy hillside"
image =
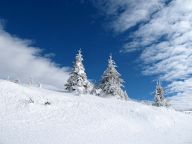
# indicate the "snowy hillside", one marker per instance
pixel 25 118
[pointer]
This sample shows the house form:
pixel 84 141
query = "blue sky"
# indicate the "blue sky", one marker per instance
pixel 62 27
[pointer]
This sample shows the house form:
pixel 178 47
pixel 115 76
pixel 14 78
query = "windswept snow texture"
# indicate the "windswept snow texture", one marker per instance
pixel 85 119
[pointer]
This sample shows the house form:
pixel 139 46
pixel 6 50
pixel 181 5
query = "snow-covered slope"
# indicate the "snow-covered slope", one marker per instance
pixel 85 119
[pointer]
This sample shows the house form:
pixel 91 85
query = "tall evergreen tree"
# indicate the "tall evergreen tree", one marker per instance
pixel 78 81
pixel 111 83
pixel 159 99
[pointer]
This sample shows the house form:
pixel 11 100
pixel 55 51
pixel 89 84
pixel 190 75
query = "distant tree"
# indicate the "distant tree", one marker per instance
pixel 78 81
pixel 111 83
pixel 159 99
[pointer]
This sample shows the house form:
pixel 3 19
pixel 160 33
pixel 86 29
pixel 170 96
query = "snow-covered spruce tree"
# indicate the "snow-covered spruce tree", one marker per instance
pixel 159 99
pixel 111 83
pixel 78 81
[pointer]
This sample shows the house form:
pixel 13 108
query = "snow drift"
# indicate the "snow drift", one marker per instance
pixel 26 118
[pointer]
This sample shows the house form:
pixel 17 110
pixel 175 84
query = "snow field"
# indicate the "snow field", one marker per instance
pixel 85 119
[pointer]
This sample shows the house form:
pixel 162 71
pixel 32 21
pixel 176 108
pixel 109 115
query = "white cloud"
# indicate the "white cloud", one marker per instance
pixel 19 60
pixel 128 13
pixel 163 36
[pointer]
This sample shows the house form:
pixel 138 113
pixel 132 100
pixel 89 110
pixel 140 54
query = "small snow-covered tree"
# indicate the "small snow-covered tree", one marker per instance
pixel 159 99
pixel 111 83
pixel 78 81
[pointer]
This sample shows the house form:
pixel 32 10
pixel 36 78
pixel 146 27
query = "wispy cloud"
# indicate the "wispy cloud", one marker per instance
pixel 19 60
pixel 127 13
pixel 163 34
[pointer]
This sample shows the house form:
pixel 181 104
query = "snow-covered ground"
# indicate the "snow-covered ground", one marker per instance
pixel 85 119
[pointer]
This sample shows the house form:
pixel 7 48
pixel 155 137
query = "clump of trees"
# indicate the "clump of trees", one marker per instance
pixel 110 85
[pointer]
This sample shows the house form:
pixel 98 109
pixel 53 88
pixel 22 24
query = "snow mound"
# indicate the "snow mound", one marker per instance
pixel 27 118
